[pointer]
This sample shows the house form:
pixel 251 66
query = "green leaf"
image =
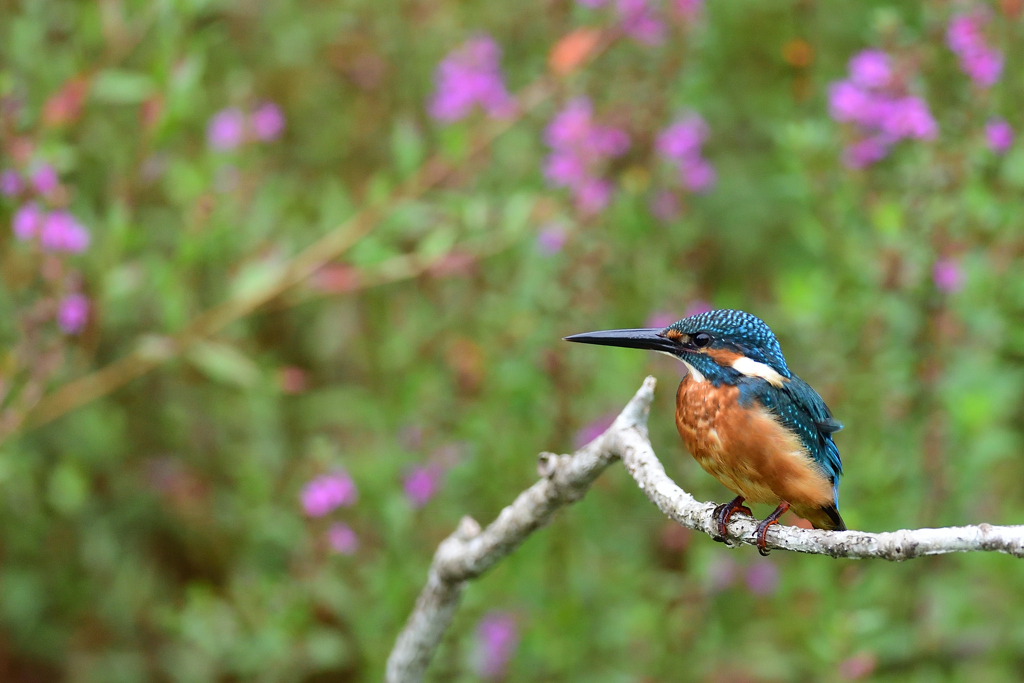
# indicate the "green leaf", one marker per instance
pixel 406 147
pixel 224 363
pixel 67 489
pixel 117 86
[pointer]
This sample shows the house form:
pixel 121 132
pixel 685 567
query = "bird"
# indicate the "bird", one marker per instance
pixel 749 422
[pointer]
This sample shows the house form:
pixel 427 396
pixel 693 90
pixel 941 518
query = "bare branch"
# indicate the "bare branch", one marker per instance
pixel 469 552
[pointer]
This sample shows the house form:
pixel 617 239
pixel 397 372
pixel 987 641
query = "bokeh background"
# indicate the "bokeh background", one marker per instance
pixel 284 284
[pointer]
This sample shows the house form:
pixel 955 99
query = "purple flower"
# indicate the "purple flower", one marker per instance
pixel 226 129
pixel 497 639
pixel 551 239
pixel 580 148
pixel 27 220
pixel 640 22
pixel 421 484
pixel 696 307
pixel 864 153
pixel 762 578
pixel 593 196
pixel 593 429
pixel 948 276
pixel 73 313
pixel 870 69
pixel 722 572
pixel 689 9
pixel 848 102
pixel 328 492
pixel 981 63
pixel 62 232
pixel 881 114
pixel 267 122
pixel 999 135
pixel 10 183
pixel 680 144
pixel 342 539
pixel 660 319
pixel 698 175
pixel 909 117
pixel 45 179
pixel 471 76
pixel 860 665
pixel 572 126
pixel 683 139
pixel 665 206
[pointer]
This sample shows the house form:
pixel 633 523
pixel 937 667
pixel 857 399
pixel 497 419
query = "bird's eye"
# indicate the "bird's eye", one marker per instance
pixel 701 339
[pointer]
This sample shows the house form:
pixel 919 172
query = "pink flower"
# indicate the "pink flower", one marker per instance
pixel 881 113
pixel 870 69
pixel 665 206
pixel 328 492
pixel 964 36
pixel 998 135
pixel 640 22
pixel 689 9
pixel 267 122
pixel 45 179
pixel 592 196
pixel 342 539
pixel 762 578
pixel 421 484
pixel 10 183
pixel 292 379
pixel 62 232
pixel 722 572
pixel 226 129
pixel 469 77
pixel 683 139
pixel 497 640
pixel 864 153
pixel 948 276
pixel 680 144
pixel 860 665
pixel 660 320
pixel 696 307
pixel 73 313
pixel 580 148
pixel 27 220
pixel 593 429
pixel 698 175
pixel 551 239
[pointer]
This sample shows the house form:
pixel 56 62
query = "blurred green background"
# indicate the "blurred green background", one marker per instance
pixel 152 521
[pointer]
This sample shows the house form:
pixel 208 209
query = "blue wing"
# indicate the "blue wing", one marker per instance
pixel 802 410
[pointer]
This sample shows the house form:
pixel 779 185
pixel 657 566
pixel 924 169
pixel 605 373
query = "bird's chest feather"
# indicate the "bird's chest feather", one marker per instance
pixel 745 448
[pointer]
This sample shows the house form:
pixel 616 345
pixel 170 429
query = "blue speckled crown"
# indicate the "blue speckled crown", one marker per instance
pixel 740 330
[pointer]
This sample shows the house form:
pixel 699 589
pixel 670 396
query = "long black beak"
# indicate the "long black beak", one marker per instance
pixel 645 338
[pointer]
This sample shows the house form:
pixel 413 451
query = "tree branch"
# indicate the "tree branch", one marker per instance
pixel 469 552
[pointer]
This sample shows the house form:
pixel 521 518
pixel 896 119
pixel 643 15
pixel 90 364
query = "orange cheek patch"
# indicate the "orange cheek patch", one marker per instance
pixel 724 357
pixel 674 335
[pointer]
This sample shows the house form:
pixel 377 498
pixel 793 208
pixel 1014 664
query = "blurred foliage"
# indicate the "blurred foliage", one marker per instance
pixel 156 533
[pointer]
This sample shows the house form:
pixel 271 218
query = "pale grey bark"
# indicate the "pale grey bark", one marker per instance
pixel 470 551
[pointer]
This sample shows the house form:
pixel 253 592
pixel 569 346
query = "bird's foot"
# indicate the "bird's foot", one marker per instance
pixel 724 511
pixel 762 529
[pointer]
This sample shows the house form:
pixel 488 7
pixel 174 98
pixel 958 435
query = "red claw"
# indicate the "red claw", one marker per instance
pixel 724 511
pixel 761 531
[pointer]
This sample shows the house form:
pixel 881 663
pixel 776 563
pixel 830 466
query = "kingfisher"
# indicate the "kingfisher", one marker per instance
pixel 749 422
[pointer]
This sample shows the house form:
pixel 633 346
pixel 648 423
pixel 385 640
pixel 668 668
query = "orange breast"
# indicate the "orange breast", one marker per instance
pixel 747 449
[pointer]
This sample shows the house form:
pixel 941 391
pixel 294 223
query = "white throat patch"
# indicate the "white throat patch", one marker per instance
pixel 694 373
pixel 752 368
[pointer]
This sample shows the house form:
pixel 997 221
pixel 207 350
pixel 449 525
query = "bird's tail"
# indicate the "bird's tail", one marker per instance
pixel 826 517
